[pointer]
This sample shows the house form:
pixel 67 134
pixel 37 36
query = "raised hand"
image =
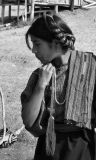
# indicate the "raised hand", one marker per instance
pixel 45 75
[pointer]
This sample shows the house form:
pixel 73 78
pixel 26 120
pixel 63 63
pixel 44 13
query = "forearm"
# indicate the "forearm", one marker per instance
pixel 31 109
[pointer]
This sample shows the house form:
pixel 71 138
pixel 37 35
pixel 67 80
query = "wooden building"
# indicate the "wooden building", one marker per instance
pixel 43 5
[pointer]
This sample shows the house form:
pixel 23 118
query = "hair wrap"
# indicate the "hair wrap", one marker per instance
pixel 65 39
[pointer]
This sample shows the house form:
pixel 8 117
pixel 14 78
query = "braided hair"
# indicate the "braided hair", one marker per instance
pixel 50 27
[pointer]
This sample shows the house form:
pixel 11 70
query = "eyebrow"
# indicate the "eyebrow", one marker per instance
pixel 35 41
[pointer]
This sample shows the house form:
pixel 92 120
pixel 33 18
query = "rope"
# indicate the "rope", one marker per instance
pixel 3 115
pixel 50 132
pixel 54 84
pixel 8 137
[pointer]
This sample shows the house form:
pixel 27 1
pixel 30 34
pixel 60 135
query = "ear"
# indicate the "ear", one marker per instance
pixel 56 44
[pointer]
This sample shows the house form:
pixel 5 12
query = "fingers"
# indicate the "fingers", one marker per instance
pixel 46 74
pixel 48 67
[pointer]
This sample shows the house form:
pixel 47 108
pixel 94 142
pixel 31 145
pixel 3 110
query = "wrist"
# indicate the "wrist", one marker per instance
pixel 40 86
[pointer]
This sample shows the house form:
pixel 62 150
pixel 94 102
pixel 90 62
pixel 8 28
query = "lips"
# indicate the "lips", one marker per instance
pixel 37 56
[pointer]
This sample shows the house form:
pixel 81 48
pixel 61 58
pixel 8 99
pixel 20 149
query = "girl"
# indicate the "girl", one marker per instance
pixel 58 103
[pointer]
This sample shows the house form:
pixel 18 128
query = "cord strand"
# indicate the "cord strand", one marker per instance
pixel 11 136
pixel 55 85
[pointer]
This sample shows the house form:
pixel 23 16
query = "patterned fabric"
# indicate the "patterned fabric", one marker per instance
pixel 76 86
pixel 81 82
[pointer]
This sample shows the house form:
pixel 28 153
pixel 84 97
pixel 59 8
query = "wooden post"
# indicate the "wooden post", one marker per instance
pixel 32 10
pixel 25 10
pixel 56 9
pixel 80 2
pixel 28 9
pixel 28 4
pixel 9 11
pixel 71 5
pixel 18 8
pixel 3 12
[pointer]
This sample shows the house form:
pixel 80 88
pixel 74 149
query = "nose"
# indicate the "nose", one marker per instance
pixel 34 50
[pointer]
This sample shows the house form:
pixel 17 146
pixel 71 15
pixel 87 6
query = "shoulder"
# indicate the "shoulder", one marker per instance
pixel 32 79
pixel 35 73
pixel 33 76
pixel 25 95
pixel 84 53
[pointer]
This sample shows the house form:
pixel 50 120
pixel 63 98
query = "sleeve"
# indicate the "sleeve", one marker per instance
pixel 37 128
pixel 93 120
pixel 94 103
pixel 26 94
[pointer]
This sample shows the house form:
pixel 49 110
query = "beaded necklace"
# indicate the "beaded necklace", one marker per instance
pixel 50 132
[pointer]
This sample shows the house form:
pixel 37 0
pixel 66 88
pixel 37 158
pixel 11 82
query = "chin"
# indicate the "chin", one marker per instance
pixel 45 62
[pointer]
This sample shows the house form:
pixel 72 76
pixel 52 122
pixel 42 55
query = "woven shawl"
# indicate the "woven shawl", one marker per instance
pixel 79 95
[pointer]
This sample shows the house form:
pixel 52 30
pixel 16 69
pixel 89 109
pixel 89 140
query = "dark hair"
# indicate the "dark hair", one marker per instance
pixel 49 27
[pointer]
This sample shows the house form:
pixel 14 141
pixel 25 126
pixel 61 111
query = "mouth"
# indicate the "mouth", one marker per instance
pixel 37 56
pixel 40 58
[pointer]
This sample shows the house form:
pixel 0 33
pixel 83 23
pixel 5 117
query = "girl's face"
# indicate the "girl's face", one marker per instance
pixel 43 50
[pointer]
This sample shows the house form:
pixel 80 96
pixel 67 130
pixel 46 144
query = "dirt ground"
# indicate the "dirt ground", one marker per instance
pixel 16 65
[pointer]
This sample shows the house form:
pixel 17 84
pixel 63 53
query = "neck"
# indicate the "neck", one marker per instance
pixel 62 59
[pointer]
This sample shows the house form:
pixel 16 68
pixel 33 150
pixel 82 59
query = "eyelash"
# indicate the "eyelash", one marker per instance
pixel 36 45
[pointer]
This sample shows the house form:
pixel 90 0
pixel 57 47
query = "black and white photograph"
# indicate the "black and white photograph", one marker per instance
pixel 47 79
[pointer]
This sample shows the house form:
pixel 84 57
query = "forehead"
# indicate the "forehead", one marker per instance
pixel 35 39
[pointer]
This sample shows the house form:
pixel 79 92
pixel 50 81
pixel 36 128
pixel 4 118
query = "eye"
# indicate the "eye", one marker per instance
pixel 37 44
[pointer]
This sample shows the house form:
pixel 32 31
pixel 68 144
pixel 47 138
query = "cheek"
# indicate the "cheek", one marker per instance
pixel 45 52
